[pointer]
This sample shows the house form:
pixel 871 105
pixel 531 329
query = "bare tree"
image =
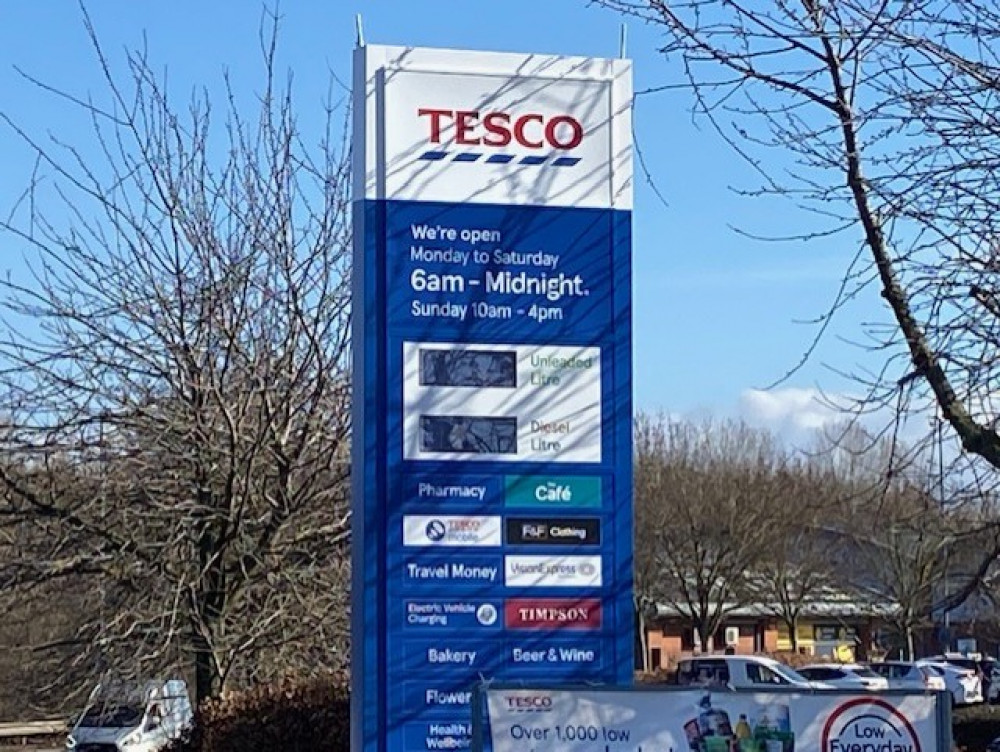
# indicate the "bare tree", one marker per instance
pixel 797 568
pixel 894 537
pixel 41 622
pixel 175 378
pixel 901 547
pixel 880 118
pixel 704 500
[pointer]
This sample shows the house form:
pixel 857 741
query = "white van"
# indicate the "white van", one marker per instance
pixel 741 672
pixel 132 717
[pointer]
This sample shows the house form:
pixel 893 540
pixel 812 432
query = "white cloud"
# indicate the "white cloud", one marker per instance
pixel 795 414
pixel 798 416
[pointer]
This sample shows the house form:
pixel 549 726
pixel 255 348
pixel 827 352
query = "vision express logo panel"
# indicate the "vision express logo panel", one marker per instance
pixel 553 531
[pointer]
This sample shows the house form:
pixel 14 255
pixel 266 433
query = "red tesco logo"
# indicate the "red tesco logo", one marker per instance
pixel 531 130
pixel 529 703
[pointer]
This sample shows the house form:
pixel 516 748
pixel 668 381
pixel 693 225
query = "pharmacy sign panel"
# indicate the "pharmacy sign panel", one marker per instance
pixel 492 376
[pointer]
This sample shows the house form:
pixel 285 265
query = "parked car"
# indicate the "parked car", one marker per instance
pixel 741 672
pixel 965 685
pixel 908 675
pixel 992 691
pixel 991 679
pixel 844 676
pixel 132 717
pixel 987 668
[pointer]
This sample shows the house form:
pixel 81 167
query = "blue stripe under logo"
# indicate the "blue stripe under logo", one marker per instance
pixel 473 156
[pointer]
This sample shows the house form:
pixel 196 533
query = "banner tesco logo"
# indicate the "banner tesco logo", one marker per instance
pixel 531 130
pixel 529 703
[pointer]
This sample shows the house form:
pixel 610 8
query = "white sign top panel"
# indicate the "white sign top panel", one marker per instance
pixel 469 127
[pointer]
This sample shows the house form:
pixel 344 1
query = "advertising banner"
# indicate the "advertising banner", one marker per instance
pixel 690 720
pixel 492 508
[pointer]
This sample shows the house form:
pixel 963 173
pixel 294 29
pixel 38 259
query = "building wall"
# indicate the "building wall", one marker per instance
pixel 670 639
pixel 664 644
pixel 747 644
pixel 771 640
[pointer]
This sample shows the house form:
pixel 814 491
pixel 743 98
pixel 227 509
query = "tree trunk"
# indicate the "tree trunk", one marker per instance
pixel 704 637
pixel 210 600
pixel 206 677
pixel 793 632
pixel 707 635
pixel 642 634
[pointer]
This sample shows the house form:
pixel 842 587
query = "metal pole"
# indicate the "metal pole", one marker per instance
pixel 947 549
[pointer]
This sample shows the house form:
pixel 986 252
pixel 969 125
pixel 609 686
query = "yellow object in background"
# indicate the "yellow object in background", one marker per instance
pixel 844 654
pixel 742 728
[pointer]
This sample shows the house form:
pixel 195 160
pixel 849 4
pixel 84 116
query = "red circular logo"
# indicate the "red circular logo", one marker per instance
pixel 868 723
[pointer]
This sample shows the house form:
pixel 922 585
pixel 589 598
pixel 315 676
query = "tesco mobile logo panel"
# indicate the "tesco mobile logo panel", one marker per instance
pixel 451 530
pixel 460 139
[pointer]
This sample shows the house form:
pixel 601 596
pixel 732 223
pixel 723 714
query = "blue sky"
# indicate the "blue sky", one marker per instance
pixel 715 313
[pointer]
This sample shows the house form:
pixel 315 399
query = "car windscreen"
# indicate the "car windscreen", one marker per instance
pixel 703 672
pixel 112 715
pixel 966 663
pixel 820 673
pixel 864 672
pixel 787 673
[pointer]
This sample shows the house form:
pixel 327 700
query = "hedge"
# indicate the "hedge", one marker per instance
pixel 292 715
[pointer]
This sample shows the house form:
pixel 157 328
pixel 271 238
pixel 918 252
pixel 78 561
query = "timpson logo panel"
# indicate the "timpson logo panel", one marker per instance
pixel 553 613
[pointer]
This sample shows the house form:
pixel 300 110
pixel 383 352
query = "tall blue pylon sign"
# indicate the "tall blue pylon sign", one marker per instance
pixel 492 383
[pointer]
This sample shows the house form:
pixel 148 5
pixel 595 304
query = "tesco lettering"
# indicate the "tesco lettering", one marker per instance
pixel 529 703
pixel 532 130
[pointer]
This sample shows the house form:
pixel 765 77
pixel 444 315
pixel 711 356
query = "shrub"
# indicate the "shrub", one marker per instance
pixel 976 726
pixel 797 660
pixel 659 676
pixel 292 715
